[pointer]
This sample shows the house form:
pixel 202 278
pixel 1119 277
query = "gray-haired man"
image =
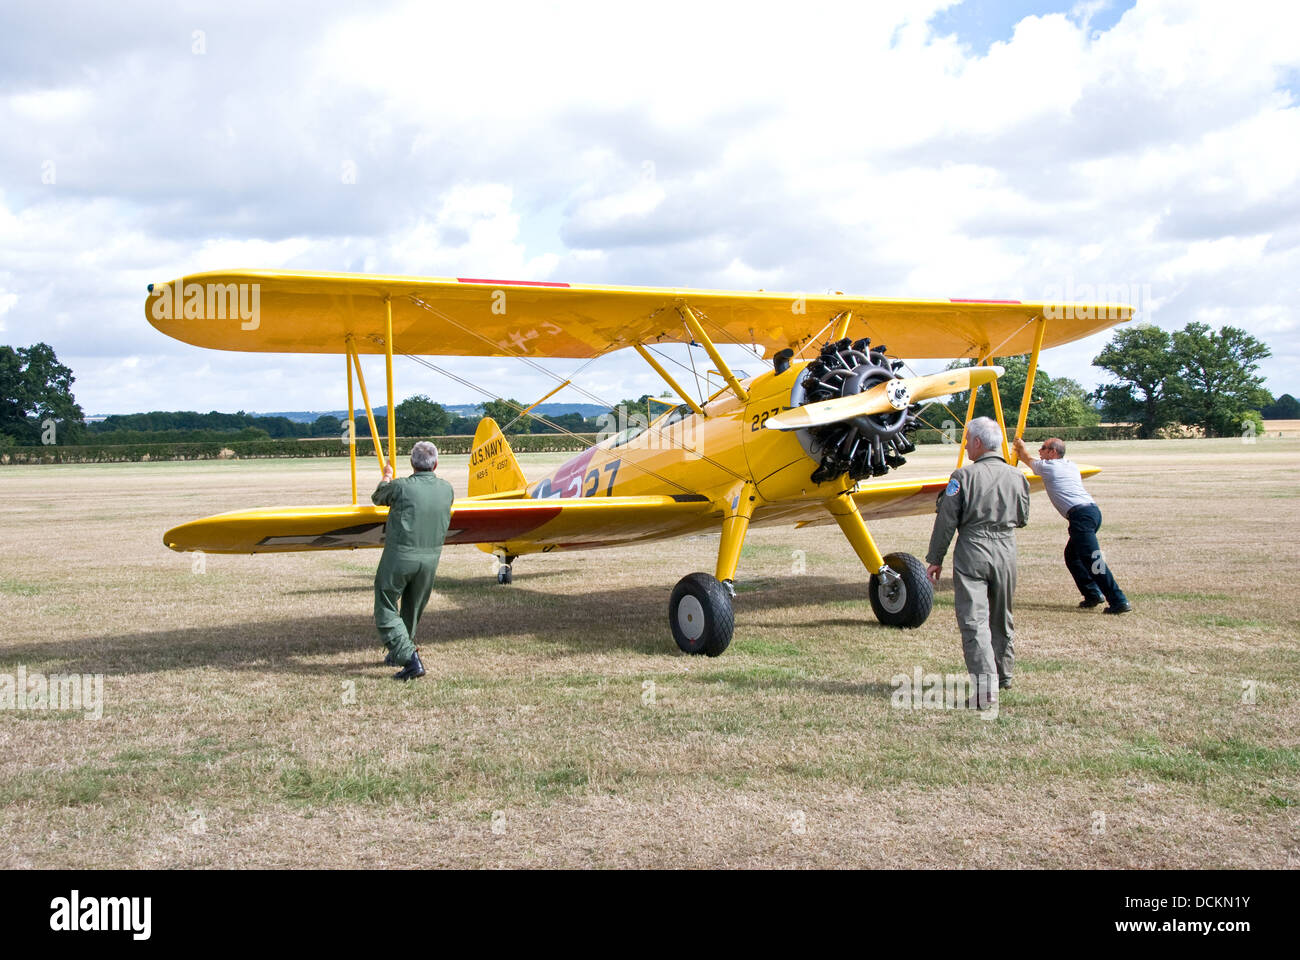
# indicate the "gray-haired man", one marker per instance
pixel 986 501
pixel 419 512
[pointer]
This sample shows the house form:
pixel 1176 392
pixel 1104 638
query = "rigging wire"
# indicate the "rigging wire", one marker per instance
pixel 658 431
pixel 554 426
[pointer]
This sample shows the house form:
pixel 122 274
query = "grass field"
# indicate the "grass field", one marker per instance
pixel 247 720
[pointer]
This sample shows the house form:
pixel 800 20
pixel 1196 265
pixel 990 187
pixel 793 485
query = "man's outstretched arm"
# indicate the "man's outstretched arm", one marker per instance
pixel 1022 452
pixel 383 494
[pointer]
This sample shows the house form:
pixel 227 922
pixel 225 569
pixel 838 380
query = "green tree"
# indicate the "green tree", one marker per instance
pixel 326 425
pixel 418 416
pixel 641 407
pixel 1055 402
pixel 462 426
pixel 505 411
pixel 35 387
pixel 1218 388
pixel 1285 407
pixel 1142 360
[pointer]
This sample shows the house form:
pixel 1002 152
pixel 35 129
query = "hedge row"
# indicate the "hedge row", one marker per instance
pixel 260 449
pixel 1038 434
pixel 523 443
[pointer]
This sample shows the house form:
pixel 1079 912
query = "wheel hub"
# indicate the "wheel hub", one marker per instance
pixel 690 618
pixel 893 594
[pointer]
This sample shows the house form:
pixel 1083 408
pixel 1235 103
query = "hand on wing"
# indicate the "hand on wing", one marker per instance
pixel 933 571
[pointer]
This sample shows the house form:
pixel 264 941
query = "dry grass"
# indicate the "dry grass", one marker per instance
pixel 226 739
pixel 1282 428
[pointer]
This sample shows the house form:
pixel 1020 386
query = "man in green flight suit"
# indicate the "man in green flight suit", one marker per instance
pixel 419 512
pixel 986 501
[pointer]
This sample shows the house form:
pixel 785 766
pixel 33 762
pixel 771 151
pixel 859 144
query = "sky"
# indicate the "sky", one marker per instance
pixel 918 148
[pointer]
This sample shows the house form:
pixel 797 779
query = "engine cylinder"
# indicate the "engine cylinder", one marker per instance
pixel 867 446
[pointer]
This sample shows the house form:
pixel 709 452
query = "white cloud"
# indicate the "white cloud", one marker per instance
pixel 815 148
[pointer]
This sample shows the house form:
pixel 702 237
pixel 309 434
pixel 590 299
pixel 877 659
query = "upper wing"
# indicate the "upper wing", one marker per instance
pixel 278 312
pixel 542 524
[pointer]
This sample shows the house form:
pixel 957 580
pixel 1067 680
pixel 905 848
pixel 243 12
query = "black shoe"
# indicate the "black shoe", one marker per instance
pixel 1004 683
pixel 414 668
pixel 1087 603
pixel 1124 607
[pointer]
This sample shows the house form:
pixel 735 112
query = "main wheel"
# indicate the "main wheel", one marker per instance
pixel 905 601
pixel 700 615
pixel 504 574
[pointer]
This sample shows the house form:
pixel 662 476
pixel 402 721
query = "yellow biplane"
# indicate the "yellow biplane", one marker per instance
pixel 810 440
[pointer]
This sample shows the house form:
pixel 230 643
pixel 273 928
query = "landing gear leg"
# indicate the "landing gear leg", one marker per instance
pixel 504 572
pixel 734 527
pixel 901 594
pixel 699 611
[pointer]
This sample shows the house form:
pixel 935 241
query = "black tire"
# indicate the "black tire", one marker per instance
pixel 700 615
pixel 909 604
pixel 504 573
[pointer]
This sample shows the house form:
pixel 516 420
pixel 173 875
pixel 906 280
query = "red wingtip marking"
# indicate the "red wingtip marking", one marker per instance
pixel 512 283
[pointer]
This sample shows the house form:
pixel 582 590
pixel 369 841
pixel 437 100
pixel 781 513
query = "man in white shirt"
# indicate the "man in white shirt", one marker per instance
pixel 1083 557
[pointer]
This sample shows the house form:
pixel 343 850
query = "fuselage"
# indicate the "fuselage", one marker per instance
pixel 682 452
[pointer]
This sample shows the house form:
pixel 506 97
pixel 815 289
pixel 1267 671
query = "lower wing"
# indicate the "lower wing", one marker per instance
pixel 535 526
pixel 545 524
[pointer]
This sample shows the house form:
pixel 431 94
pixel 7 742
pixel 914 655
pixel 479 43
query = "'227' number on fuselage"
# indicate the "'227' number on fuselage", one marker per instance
pixel 593 479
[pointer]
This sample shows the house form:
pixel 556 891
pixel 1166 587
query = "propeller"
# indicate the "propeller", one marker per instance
pixel 887 397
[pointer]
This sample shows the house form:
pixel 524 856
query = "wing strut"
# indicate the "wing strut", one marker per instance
pixel 697 331
pixel 667 377
pixel 365 398
pixel 842 325
pixel 1029 376
pixel 352 428
pixel 388 375
pixel 1002 423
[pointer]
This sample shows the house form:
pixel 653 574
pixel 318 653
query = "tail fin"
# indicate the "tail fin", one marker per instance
pixel 493 469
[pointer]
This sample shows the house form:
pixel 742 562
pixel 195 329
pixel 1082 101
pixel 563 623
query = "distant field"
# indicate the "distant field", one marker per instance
pixel 248 721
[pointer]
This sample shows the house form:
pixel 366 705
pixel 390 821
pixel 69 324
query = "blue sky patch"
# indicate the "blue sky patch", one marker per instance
pixel 981 23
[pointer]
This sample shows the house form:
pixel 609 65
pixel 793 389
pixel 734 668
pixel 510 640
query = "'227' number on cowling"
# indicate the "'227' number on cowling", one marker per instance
pixel 759 419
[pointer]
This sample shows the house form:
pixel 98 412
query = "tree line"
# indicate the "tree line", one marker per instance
pixel 1195 377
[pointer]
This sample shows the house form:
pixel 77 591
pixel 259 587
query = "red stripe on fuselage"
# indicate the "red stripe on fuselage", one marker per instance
pixel 567 480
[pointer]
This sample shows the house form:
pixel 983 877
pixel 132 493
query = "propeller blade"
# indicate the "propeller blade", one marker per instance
pixel 888 397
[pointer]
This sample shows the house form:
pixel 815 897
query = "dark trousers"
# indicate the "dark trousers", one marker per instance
pixel 1084 559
